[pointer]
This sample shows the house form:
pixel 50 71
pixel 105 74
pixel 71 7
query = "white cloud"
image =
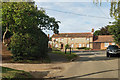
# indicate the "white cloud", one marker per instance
pixel 78 23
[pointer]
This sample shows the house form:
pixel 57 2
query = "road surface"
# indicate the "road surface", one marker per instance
pixel 87 65
pixel 91 65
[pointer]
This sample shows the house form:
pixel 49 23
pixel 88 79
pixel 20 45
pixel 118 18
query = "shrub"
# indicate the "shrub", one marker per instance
pixel 67 46
pixel 83 48
pixel 87 48
pixel 26 46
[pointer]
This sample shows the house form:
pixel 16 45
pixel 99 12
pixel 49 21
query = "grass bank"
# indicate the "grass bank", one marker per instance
pixel 67 55
pixel 11 74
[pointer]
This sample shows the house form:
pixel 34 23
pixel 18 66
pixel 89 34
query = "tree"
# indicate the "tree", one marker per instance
pixel 23 17
pixel 115 28
pixel 115 13
pixel 103 31
pixel 25 23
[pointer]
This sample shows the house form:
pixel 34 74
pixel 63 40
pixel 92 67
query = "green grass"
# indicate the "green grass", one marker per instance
pixel 67 55
pixel 12 73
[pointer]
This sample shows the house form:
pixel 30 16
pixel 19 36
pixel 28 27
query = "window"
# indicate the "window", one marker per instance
pixel 72 39
pixel 113 43
pixel 61 39
pixel 56 39
pixel 87 45
pixel 83 45
pixel 72 45
pixel 106 44
pixel 56 45
pixel 79 45
pixel 87 39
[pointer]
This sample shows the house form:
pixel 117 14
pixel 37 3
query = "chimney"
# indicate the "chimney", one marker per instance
pixel 92 30
pixel 48 36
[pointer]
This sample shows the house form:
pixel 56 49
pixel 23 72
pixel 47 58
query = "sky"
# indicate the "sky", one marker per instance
pixel 77 17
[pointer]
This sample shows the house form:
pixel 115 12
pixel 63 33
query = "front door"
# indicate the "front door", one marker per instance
pixel 61 46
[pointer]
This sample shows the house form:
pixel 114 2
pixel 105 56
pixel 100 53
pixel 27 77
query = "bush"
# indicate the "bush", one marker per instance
pixel 67 46
pixel 29 46
pixel 83 48
pixel 87 48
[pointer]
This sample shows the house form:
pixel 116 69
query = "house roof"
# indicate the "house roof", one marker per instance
pixel 104 38
pixel 73 35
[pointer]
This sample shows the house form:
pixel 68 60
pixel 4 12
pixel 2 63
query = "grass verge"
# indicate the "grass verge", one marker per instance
pixel 10 74
pixel 67 55
pixel 30 61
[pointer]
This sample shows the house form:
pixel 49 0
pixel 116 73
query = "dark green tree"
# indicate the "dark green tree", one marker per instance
pixel 103 31
pixel 23 17
pixel 25 24
pixel 115 13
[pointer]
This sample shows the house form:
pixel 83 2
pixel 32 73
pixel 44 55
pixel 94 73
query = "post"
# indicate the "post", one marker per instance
pixel 65 50
pixel 70 50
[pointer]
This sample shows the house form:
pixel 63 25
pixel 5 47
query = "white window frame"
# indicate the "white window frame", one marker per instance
pixel 87 39
pixel 113 43
pixel 56 39
pixel 83 45
pixel 72 45
pixel 56 45
pixel 87 45
pixel 106 44
pixel 80 45
pixel 62 39
pixel 72 39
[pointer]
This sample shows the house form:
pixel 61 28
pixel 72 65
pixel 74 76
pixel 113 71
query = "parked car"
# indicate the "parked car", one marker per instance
pixel 112 50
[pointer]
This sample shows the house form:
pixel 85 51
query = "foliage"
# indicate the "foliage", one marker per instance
pixel 103 31
pixel 25 46
pixel 68 55
pixel 24 16
pixel 25 23
pixel 115 13
pixel 67 46
pixel 9 74
pixel 115 30
pixel 83 48
pixel 115 9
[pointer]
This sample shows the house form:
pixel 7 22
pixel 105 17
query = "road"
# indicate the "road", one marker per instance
pixel 91 65
pixel 87 65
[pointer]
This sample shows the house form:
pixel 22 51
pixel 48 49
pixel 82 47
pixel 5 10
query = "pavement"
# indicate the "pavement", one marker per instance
pixel 88 65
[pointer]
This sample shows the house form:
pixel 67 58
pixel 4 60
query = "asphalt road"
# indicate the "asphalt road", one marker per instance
pixel 87 65
pixel 91 65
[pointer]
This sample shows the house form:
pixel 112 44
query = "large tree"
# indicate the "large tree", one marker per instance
pixel 25 23
pixel 115 28
pixel 24 17
pixel 103 31
pixel 115 13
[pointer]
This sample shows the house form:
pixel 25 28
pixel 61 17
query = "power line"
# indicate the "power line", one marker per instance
pixel 74 13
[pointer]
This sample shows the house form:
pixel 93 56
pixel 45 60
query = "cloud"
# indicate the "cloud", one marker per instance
pixel 77 23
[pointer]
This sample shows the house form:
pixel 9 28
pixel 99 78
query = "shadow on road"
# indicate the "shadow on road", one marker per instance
pixel 39 74
pixel 78 77
pixel 96 58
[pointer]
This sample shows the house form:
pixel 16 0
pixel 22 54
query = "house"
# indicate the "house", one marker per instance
pixel 103 41
pixel 74 40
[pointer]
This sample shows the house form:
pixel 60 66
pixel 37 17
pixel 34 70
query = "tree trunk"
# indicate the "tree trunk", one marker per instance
pixel 5 35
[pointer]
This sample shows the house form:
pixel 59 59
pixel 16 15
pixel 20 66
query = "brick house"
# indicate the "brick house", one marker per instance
pixel 73 39
pixel 103 41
